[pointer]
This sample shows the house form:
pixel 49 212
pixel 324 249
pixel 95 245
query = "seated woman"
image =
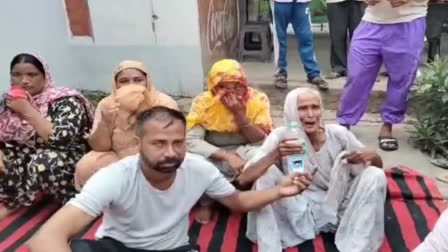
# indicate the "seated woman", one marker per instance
pixel 227 122
pixel 113 134
pixel 346 196
pixel 43 133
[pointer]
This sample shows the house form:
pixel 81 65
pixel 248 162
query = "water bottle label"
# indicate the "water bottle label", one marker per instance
pixel 296 164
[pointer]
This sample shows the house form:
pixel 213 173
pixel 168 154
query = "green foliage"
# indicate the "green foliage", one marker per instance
pixel 430 101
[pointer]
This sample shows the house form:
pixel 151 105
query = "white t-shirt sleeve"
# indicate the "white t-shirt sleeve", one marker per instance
pixel 99 191
pixel 218 186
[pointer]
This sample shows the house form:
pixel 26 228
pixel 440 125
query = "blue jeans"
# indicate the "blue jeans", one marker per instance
pixel 298 14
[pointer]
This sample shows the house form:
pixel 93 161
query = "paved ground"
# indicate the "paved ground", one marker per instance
pixel 260 75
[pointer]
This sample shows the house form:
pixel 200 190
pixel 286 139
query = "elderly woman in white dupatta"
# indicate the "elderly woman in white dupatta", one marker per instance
pixel 346 196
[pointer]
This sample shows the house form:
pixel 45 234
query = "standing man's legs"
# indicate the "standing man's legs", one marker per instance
pixel 356 10
pixel 282 18
pixel 437 14
pixel 364 62
pixel 338 21
pixel 401 51
pixel 301 22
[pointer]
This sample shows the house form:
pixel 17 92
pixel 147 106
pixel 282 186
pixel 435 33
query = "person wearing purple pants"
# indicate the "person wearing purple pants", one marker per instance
pixel 391 33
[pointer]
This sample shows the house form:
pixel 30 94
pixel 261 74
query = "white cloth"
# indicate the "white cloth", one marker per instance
pixel 384 13
pixel 437 240
pixel 343 198
pixel 142 216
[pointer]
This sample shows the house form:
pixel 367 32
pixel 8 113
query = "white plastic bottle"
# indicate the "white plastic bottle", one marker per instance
pixel 296 163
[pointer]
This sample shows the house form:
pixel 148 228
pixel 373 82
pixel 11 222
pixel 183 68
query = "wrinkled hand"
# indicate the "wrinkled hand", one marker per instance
pixel 109 112
pixel 233 103
pixel 398 3
pixel 20 106
pixel 286 148
pixel 360 157
pixel 2 164
pixel 296 183
pixel 372 2
pixel 235 162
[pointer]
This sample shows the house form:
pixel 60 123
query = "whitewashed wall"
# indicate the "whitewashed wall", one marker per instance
pixel 123 29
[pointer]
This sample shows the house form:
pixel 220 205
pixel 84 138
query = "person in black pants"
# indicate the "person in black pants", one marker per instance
pixel 437 14
pixel 343 18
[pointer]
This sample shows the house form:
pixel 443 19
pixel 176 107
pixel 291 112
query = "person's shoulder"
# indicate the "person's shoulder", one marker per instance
pixel 120 170
pixel 167 101
pixel 336 128
pixel 194 163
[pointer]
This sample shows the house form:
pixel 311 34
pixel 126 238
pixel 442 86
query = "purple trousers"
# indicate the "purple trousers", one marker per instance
pixel 398 47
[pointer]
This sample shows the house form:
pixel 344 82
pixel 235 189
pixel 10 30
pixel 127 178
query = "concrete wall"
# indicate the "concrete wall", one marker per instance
pixel 37 27
pixel 169 45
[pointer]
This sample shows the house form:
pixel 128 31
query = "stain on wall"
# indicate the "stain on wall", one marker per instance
pixel 219 30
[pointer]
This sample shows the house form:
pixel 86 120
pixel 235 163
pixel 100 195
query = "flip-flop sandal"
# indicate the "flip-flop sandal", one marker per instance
pixel 281 82
pixel 334 75
pixel 319 82
pixel 443 178
pixel 387 143
pixel 442 163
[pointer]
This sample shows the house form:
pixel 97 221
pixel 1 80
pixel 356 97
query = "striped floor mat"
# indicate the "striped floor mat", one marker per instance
pixel 412 208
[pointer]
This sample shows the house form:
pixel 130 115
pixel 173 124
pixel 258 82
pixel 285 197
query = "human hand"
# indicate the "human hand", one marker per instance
pixel 20 106
pixel 109 111
pixel 234 103
pixel 398 3
pixel 360 157
pixel 372 2
pixel 287 147
pixel 295 183
pixel 235 162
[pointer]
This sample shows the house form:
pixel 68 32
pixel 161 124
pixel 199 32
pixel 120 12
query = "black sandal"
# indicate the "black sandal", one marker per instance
pixel 334 75
pixel 281 80
pixel 387 143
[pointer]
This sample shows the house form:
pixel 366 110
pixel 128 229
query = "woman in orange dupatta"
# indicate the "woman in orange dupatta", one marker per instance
pixel 227 123
pixel 113 134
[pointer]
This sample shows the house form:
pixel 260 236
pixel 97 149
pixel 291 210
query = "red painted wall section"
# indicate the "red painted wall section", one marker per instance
pixel 79 17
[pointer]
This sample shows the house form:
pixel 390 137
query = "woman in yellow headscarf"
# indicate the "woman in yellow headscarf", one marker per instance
pixel 112 136
pixel 227 123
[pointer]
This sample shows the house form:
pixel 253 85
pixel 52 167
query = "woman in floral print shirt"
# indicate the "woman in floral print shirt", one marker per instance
pixel 43 133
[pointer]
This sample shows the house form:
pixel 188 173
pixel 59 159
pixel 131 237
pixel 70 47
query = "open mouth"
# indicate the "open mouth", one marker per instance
pixel 309 124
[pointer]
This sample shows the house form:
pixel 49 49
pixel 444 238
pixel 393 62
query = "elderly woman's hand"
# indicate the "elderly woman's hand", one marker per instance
pixel 364 157
pixel 287 148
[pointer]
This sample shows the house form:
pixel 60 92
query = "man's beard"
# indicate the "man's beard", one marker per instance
pixel 166 166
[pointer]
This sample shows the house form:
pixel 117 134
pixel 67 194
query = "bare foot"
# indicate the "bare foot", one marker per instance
pixel 204 214
pixel 5 212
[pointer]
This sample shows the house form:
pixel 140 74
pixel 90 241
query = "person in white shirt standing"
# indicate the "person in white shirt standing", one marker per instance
pixel 343 18
pixel 296 12
pixel 146 199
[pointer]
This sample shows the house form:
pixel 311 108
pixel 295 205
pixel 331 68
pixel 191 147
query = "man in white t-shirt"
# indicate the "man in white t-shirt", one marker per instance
pixel 146 199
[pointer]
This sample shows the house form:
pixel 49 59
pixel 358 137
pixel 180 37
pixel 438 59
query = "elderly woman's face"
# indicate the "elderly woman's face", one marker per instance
pixel 232 87
pixel 310 112
pixel 28 77
pixel 130 76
